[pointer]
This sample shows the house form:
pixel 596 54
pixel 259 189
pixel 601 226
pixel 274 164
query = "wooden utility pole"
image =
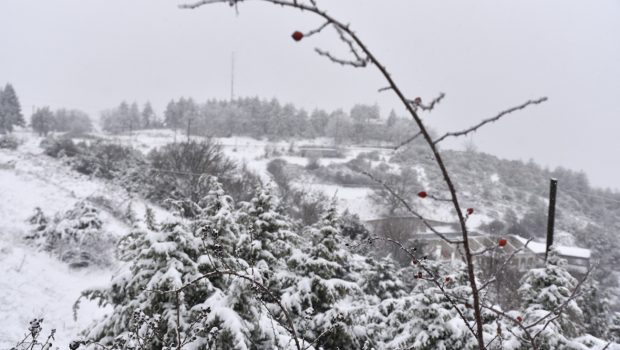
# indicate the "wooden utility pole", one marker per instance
pixel 553 186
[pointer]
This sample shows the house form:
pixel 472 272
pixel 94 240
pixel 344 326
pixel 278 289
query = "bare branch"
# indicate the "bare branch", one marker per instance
pixel 408 140
pixel 429 107
pixel 356 64
pixel 349 43
pixel 490 120
pixel 512 255
pixel 198 4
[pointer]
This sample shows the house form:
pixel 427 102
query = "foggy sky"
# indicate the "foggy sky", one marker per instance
pixel 485 55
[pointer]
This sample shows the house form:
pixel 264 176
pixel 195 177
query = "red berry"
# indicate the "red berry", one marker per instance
pixel 519 319
pixel 448 279
pixel 422 194
pixel 502 242
pixel 417 101
pixel 419 274
pixel 470 211
pixel 297 35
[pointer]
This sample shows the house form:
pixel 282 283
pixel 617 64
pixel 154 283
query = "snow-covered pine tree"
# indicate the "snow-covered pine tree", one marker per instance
pixel 10 110
pixel 161 262
pixel 237 307
pixel 216 223
pixel 594 302
pixel 268 240
pixel 325 295
pixel 545 290
pixel 381 279
pixel 426 318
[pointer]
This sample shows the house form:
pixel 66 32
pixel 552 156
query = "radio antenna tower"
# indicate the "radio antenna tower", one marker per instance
pixel 232 76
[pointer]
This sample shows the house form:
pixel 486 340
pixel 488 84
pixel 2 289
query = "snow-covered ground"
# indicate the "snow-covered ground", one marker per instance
pixel 35 284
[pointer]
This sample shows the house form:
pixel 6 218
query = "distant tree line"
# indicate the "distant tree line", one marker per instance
pixel 126 118
pixel 44 120
pixel 261 118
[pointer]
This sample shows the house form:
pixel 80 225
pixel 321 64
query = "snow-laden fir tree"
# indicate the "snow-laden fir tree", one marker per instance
pixel 268 237
pixel 186 277
pixel 10 110
pixel 550 290
pixel 324 295
pixel 216 223
pixel 236 305
pixel 594 303
pixel 427 317
pixel 160 262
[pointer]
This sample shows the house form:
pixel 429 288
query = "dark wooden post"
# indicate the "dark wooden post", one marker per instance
pixel 551 218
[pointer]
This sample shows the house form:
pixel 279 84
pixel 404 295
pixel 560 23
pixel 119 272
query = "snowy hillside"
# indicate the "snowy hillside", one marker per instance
pixel 38 285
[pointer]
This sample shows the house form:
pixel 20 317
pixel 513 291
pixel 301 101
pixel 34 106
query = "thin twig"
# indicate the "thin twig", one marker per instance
pixel 490 120
pixel 356 64
pixel 410 210
pixel 316 31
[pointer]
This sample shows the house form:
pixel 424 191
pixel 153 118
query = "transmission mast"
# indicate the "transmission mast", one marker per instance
pixel 232 76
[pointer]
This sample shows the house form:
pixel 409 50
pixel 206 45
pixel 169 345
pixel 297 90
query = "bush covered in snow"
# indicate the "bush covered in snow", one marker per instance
pixel 75 236
pixel 9 142
pixel 108 160
pixel 174 171
pixel 59 147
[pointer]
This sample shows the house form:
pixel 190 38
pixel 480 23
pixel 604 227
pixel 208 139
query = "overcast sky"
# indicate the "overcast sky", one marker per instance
pixel 485 55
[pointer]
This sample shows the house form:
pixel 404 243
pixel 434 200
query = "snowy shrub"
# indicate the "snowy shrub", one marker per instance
pixel 75 237
pixel 108 160
pixel 175 169
pixel 307 206
pixel 352 227
pixel 59 147
pixel 9 142
pixel 313 163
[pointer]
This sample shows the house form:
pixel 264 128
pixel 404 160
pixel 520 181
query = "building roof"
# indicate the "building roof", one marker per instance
pixel 540 248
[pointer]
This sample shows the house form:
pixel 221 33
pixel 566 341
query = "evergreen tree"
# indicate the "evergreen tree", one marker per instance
pixel 426 318
pixel 392 118
pixel 322 288
pixel 161 261
pixel 594 302
pixel 269 231
pixel 10 110
pixel 134 118
pixel 545 290
pixel 215 310
pixel 172 116
pixel 148 116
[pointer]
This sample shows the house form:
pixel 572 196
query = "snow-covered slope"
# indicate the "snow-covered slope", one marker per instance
pixel 34 284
